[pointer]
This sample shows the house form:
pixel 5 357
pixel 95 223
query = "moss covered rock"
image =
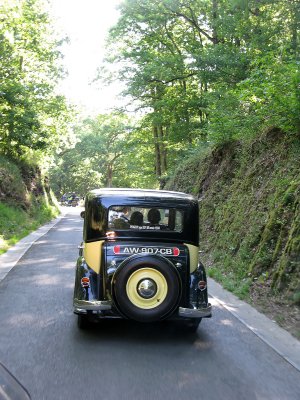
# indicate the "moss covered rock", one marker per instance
pixel 249 210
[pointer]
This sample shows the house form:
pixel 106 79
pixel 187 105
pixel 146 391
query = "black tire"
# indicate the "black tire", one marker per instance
pixel 155 267
pixel 83 322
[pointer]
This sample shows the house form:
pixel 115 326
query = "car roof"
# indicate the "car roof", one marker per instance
pixel 123 192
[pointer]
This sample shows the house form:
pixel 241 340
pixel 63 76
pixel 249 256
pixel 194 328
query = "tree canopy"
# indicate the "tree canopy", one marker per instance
pixel 208 70
pixel 33 117
pixel 196 72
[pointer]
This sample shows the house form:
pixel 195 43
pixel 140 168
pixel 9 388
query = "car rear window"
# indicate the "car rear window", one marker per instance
pixel 145 219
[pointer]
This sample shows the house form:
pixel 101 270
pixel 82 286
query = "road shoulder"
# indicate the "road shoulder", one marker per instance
pixel 9 259
pixel 267 330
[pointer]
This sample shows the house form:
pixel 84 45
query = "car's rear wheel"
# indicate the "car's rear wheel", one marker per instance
pixel 147 288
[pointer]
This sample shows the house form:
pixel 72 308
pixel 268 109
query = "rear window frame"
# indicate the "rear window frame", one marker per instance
pixel 148 227
pixel 98 201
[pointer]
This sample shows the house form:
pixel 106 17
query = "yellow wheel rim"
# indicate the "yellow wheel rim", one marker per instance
pixel 138 276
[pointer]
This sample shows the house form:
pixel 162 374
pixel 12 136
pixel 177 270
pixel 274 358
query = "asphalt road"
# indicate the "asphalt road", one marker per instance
pixel 42 346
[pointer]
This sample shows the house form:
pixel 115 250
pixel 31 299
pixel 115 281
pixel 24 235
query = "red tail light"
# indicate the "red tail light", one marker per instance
pixel 176 251
pixel 202 285
pixel 85 282
pixel 117 249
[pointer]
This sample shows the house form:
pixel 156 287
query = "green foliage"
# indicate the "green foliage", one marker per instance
pixel 33 117
pixel 208 70
pixel 240 287
pixel 26 201
pixel 107 153
pixel 296 298
pixel 13 226
pixel 201 71
pixel 249 211
pixel 12 186
pixel 269 97
pixel 16 223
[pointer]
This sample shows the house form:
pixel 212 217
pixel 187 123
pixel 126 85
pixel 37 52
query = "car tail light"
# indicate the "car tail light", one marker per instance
pixel 176 251
pixel 85 282
pixel 117 249
pixel 202 285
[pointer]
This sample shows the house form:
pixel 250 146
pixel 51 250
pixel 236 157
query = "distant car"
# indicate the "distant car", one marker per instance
pixel 70 200
pixel 64 199
pixel 74 201
pixel 139 258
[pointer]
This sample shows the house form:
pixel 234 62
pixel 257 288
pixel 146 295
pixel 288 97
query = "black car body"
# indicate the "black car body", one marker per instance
pixel 140 258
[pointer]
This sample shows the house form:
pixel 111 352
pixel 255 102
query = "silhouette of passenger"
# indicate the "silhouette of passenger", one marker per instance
pixel 136 218
pixel 153 216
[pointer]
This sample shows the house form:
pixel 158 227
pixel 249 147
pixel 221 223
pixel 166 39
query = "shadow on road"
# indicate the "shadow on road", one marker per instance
pixel 169 333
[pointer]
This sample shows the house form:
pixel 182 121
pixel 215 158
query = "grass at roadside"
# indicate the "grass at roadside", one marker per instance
pixel 239 287
pixel 16 223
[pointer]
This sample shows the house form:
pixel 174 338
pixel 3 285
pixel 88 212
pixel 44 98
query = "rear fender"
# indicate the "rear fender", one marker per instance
pixel 87 282
pixel 198 297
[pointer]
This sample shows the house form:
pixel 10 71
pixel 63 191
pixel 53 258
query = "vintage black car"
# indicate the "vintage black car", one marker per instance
pixel 139 258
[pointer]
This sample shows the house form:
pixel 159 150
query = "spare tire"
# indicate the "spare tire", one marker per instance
pixel 146 288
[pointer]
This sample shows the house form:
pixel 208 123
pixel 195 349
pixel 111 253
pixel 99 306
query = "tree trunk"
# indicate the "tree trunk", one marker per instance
pixel 214 21
pixel 109 176
pixel 163 150
pixel 157 152
pixel 295 26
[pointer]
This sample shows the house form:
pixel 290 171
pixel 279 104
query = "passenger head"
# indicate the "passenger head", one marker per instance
pixel 154 216
pixel 136 218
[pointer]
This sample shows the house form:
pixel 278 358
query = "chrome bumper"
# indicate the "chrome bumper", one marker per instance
pixel 81 306
pixel 195 312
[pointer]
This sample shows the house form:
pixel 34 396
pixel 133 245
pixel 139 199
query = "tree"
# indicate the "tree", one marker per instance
pixel 99 157
pixel 190 65
pixel 158 76
pixel 33 117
